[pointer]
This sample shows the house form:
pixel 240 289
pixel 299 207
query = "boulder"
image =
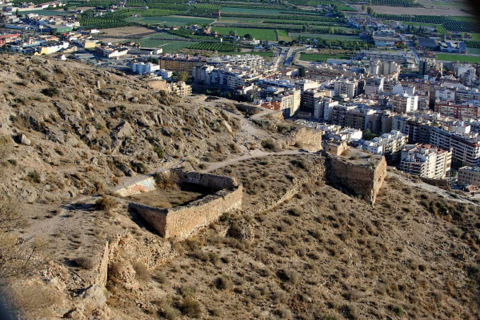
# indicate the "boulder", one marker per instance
pixel 124 130
pixel 24 140
pixel 94 297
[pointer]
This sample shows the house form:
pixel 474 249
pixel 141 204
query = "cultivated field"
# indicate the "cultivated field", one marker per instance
pixel 259 34
pixel 171 21
pixel 458 57
pixel 127 32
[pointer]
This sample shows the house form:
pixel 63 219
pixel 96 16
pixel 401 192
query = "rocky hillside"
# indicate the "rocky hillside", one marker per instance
pixel 73 129
pixel 299 249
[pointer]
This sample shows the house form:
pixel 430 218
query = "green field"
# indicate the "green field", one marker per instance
pixel 168 46
pixel 448 3
pixel 259 34
pixel 318 57
pixel 283 36
pixel 171 21
pixel 473 50
pixel 458 57
pixel 325 36
pixel 439 27
pixel 248 10
pixel 47 12
pixel 475 36
pixel 236 20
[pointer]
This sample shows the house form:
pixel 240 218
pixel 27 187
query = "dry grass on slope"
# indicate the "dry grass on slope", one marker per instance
pixel 325 255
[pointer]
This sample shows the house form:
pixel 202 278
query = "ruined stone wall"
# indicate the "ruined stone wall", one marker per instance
pixel 180 222
pixel 184 220
pixel 362 179
pixel 309 139
pixel 155 217
pixel 210 181
pixel 337 149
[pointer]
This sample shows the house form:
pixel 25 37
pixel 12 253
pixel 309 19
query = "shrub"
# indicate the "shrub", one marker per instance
pixel 301 163
pixel 139 167
pixel 164 181
pixel 160 277
pixel 85 263
pixel 271 145
pixel 191 307
pixel 108 204
pixel 223 283
pixel 187 291
pixel 159 151
pixel 295 212
pixel 34 176
pixel 169 312
pixel 141 272
pixel 397 310
pixel 289 276
pixel 50 92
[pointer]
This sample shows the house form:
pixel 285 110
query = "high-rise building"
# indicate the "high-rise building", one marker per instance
pixel 426 161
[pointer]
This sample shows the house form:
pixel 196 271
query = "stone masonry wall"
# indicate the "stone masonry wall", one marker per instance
pixel 365 180
pixel 179 222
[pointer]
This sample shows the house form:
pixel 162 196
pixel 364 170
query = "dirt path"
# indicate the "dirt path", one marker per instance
pixel 252 154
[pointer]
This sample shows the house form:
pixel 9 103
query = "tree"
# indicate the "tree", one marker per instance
pixel 248 36
pixel 363 8
pixel 369 135
pixel 370 10
pixel 182 77
pixel 301 71
pixel 331 30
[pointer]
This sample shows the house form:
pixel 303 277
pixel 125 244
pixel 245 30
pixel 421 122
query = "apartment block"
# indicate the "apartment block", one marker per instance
pixel 388 144
pixel 465 145
pixel 469 176
pixel 426 161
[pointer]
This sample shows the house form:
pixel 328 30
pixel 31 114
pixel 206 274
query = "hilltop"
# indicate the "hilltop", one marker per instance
pixel 298 249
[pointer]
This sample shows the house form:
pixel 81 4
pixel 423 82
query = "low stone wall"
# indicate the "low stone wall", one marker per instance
pixel 362 179
pixel 179 222
pixel 209 181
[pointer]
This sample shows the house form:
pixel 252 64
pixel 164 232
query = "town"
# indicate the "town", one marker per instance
pixel 389 85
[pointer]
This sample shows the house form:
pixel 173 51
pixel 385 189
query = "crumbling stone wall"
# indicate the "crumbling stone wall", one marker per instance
pixel 309 139
pixel 179 222
pixel 336 148
pixel 362 179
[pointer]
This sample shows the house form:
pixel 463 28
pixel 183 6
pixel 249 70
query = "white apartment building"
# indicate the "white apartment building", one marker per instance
pixel 346 87
pixel 469 176
pixel 399 89
pixel 404 103
pixel 385 68
pixel 145 68
pixel 180 88
pixel 374 86
pixel 465 145
pixel 388 144
pixel 445 94
pixel 425 161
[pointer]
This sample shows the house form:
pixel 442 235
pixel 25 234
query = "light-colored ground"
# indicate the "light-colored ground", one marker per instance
pixel 126 31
